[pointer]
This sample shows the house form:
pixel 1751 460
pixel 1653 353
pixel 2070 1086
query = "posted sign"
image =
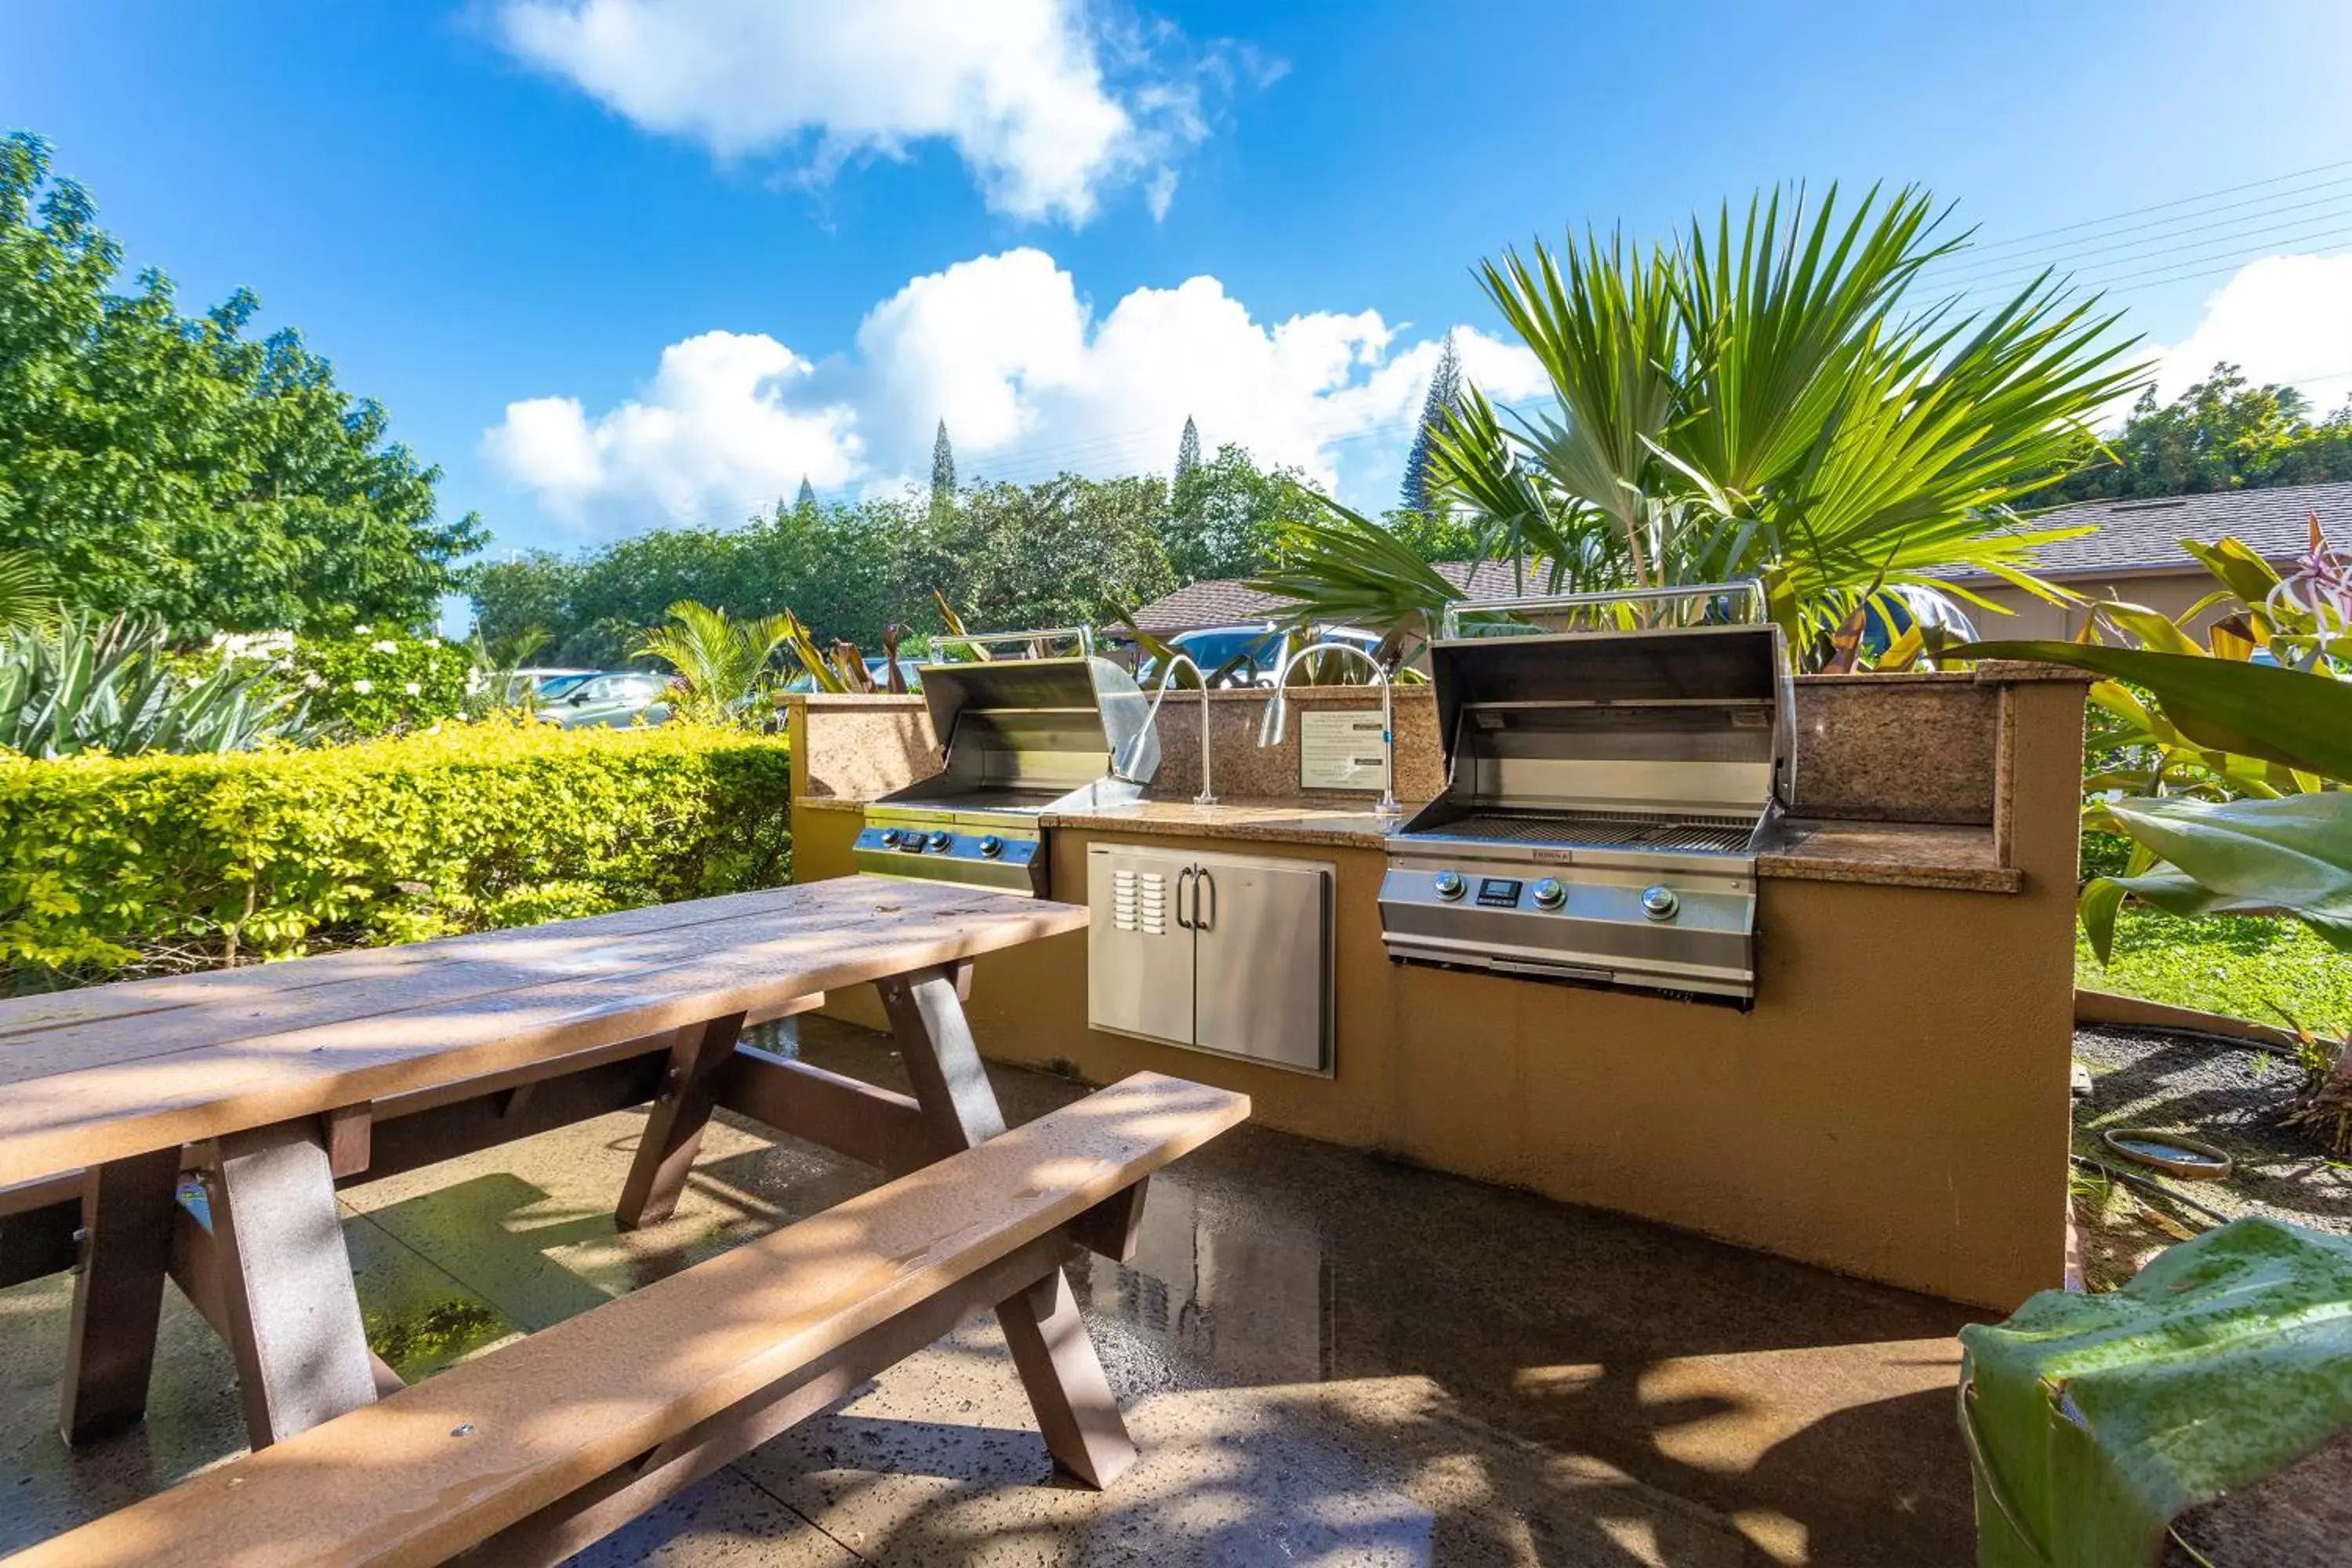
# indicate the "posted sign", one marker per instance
pixel 1339 750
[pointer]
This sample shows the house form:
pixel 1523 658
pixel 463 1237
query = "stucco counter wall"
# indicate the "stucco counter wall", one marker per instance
pixel 1895 1105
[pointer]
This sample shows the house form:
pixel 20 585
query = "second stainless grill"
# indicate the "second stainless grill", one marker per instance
pixel 1606 794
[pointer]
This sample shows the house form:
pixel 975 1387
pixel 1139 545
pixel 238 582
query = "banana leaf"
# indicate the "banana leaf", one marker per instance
pixel 2286 716
pixel 2091 1421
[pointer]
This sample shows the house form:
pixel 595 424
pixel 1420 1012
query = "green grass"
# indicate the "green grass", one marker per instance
pixel 2249 968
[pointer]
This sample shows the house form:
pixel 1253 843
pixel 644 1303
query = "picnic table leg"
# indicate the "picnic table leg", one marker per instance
pixel 125 1249
pixel 1076 1411
pixel 673 1130
pixel 291 1311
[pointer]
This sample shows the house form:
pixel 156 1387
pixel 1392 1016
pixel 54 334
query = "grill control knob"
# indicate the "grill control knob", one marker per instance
pixel 940 841
pixel 991 846
pixel 1550 894
pixel 1449 884
pixel 889 838
pixel 1660 903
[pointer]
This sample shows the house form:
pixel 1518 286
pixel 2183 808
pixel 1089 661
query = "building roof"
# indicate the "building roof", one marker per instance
pixel 2144 535
pixel 1229 601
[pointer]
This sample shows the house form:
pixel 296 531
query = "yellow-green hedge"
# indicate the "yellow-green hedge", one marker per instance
pixel 142 864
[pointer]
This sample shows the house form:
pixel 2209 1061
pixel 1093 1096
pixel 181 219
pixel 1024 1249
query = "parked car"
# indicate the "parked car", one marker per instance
pixel 1245 655
pixel 547 683
pixel 614 699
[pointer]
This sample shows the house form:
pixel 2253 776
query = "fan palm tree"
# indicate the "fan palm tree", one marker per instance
pixel 724 662
pixel 1762 399
pixel 29 594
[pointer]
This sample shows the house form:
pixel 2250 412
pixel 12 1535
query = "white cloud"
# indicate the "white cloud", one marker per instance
pixel 1047 106
pixel 1030 382
pixel 718 430
pixel 2284 319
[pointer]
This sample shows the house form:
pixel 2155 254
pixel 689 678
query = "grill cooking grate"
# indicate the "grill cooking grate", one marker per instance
pixel 1718 838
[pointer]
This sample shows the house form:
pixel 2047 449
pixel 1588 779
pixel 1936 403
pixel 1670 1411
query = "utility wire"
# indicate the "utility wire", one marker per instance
pixel 2162 206
pixel 1965 265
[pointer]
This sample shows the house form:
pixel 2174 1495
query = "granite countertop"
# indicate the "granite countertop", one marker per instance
pixel 1891 854
pixel 1885 854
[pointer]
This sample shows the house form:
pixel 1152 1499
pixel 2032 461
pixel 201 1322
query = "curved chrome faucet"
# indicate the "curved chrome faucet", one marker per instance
pixel 1278 710
pixel 1207 796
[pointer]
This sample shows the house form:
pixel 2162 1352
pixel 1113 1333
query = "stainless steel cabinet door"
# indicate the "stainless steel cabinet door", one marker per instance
pixel 1139 953
pixel 1262 984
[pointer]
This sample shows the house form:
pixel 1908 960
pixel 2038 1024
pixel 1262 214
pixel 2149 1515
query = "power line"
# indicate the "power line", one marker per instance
pixel 1968 267
pixel 2163 206
pixel 2170 272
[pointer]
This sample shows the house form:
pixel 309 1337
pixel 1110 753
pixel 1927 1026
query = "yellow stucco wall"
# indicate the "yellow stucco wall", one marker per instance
pixel 1896 1106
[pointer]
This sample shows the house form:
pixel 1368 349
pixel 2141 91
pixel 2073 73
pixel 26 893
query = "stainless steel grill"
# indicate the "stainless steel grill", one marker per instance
pixel 1606 794
pixel 1019 737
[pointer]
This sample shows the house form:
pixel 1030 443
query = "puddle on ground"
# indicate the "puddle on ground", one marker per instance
pixel 1243 1302
pixel 416 1342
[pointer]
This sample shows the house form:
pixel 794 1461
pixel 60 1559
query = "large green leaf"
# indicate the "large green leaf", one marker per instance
pixel 2287 715
pixel 2092 1420
pixel 2291 854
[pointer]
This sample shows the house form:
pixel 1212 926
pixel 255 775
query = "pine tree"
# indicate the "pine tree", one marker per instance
pixel 1445 395
pixel 808 493
pixel 1188 452
pixel 943 481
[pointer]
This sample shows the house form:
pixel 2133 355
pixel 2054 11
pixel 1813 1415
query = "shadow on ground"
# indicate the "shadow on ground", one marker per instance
pixel 1325 1358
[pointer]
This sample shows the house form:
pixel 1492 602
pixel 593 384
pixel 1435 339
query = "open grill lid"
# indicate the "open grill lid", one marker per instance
pixel 1036 724
pixel 1674 720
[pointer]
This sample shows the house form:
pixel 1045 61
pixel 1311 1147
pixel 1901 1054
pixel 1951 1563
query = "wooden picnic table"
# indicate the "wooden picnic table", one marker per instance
pixel 195 1128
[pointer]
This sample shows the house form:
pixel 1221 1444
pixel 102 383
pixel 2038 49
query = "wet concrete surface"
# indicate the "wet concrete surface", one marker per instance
pixel 1325 1358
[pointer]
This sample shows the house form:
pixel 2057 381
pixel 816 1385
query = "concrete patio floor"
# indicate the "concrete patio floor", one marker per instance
pixel 1325 1358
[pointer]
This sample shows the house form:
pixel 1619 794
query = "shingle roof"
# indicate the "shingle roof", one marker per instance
pixel 1228 601
pixel 2136 536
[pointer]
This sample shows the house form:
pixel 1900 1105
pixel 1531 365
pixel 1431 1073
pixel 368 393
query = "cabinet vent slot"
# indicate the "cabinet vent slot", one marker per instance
pixel 1139 902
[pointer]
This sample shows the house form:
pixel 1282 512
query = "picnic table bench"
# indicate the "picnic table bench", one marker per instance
pixel 195 1129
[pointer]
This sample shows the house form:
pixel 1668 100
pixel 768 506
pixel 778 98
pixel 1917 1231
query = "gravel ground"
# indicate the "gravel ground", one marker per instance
pixel 2231 1096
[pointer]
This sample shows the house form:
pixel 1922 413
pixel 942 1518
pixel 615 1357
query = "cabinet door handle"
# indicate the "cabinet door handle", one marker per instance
pixel 1183 877
pixel 1208 884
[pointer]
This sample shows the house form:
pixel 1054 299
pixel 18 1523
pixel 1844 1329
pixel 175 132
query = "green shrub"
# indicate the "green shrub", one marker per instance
pixel 380 680
pixel 158 863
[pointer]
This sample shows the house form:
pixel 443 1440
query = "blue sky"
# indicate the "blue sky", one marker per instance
pixel 615 263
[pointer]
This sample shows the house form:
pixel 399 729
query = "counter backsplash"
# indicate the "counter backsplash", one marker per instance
pixel 1889 748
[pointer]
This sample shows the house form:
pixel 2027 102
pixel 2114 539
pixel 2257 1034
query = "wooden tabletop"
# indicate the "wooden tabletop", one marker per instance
pixel 99 1074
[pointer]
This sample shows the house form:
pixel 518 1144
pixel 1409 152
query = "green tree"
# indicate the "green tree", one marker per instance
pixel 943 474
pixel 165 465
pixel 1188 454
pixel 1057 553
pixel 2222 434
pixel 1226 516
pixel 1445 397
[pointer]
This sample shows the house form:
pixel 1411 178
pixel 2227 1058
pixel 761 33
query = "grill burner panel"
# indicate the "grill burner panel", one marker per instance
pixel 1579 831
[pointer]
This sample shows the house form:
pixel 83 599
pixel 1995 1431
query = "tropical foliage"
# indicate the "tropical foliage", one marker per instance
pixel 2092 1421
pixel 170 466
pixel 724 664
pixel 155 864
pixel 88 683
pixel 1765 397
pixel 29 594
pixel 2236 750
